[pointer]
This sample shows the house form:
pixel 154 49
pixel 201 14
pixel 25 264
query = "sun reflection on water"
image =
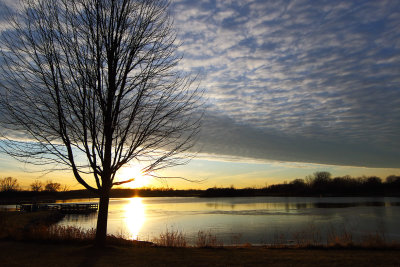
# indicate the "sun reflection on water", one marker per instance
pixel 135 217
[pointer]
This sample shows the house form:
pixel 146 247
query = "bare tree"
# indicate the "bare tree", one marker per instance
pixel 65 188
pixel 36 186
pixel 92 85
pixel 52 186
pixel 9 184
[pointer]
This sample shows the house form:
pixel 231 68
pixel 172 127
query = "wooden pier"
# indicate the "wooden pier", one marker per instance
pixel 65 208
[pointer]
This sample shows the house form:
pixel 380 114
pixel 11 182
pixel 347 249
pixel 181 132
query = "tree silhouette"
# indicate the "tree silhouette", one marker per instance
pixel 93 84
pixel 52 186
pixel 9 184
pixel 36 186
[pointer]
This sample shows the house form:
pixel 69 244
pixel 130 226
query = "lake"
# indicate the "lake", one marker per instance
pixel 256 220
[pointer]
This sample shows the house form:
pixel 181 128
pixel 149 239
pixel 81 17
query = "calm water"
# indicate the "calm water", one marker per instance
pixel 257 220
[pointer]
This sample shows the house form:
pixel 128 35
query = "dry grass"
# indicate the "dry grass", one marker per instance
pixel 376 240
pixel 311 237
pixel 45 254
pixel 61 233
pixel 171 238
pixel 339 239
pixel 308 237
pixel 72 249
pixel 69 234
pixel 17 225
pixel 39 226
pixel 208 240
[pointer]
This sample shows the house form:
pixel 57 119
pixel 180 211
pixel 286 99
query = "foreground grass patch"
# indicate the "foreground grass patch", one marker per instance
pixel 17 225
pixel 44 254
pixel 50 245
pixel 40 227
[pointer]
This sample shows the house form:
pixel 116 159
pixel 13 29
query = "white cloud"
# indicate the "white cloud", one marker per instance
pixel 321 70
pixel 322 73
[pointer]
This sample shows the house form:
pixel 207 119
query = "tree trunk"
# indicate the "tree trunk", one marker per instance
pixel 101 230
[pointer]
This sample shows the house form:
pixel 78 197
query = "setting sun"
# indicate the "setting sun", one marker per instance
pixel 135 172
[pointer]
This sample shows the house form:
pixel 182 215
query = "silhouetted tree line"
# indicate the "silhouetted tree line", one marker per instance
pixel 10 184
pixel 319 184
pixel 11 192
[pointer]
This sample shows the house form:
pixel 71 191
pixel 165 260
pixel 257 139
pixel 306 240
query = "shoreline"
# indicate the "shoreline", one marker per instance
pixel 21 200
pixel 41 226
pixel 10 198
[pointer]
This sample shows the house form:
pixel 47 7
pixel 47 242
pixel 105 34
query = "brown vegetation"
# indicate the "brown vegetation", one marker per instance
pixel 72 248
pixel 27 254
pixel 171 238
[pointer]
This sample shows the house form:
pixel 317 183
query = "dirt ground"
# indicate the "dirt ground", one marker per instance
pixel 13 253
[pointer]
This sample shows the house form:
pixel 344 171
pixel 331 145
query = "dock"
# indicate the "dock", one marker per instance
pixel 65 208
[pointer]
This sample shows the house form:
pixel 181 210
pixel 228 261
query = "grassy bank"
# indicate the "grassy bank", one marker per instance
pixel 45 254
pixel 30 239
pixel 17 225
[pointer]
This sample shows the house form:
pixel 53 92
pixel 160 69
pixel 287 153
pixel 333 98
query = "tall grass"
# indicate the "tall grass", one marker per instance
pixel 171 238
pixel 61 233
pixel 39 226
pixel 311 236
pixel 175 238
pixel 207 240
pixel 343 238
pixel 58 233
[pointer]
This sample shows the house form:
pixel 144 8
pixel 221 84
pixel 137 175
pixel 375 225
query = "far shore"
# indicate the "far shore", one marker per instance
pixel 320 184
pixel 9 198
pixel 16 197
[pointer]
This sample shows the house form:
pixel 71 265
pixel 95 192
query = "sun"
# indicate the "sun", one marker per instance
pixel 135 172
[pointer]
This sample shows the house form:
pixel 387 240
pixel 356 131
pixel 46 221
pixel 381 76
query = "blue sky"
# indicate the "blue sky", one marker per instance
pixel 293 87
pixel 309 81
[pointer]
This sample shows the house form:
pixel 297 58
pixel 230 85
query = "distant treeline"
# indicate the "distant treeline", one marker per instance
pixel 46 196
pixel 317 184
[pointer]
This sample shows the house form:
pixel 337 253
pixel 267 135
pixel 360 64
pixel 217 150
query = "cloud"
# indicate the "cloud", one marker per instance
pixel 318 80
pixel 302 81
pixel 223 136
